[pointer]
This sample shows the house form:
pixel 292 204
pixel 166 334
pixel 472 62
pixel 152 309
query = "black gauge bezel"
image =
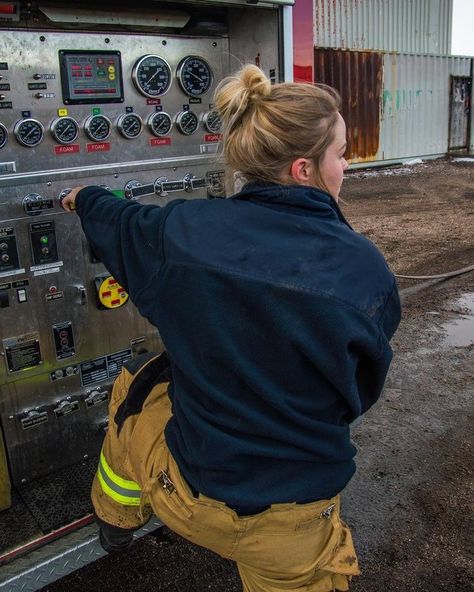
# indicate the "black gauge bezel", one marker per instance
pixel 205 120
pixel 135 70
pixel 154 116
pixel 180 72
pixel 54 132
pixel 179 118
pixel 88 123
pixel 20 124
pixel 121 129
pixel 4 131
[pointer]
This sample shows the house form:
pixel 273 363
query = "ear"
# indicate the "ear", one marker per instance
pixel 302 171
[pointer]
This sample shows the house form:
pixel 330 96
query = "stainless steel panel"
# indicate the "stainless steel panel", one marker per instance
pixel 49 402
pixel 255 41
pixel 31 54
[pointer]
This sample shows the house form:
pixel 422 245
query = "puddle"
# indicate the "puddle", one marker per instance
pixel 460 332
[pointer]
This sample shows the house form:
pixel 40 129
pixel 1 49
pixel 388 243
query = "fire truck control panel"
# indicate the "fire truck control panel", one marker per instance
pixel 111 97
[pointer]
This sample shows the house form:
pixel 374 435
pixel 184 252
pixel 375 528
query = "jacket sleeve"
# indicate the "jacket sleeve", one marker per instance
pixel 125 235
pixel 370 373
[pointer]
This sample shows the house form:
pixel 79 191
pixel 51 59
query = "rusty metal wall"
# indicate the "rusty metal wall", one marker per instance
pixel 404 26
pixel 357 75
pixel 396 106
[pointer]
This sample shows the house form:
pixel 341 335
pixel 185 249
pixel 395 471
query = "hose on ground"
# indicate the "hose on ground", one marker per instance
pixel 437 277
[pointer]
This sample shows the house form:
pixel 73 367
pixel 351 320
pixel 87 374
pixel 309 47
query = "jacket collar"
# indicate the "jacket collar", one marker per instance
pixel 301 196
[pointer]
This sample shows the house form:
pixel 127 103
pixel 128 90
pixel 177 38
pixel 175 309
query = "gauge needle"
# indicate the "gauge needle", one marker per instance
pixel 151 78
pixel 194 75
pixel 100 127
pixel 29 133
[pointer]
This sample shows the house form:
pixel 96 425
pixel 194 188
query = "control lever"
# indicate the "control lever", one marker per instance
pixel 162 186
pixel 34 204
pixel 137 191
pixel 104 426
pixel 82 294
pixel 63 194
pixel 33 417
pixel 95 396
pixel 66 406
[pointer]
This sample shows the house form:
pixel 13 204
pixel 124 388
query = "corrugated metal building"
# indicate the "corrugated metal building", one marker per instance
pixel 403 95
pixel 404 26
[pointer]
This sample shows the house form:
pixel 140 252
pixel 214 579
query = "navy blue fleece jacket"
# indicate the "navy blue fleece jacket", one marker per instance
pixel 277 318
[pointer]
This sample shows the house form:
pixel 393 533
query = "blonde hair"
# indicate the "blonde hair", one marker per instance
pixel 266 127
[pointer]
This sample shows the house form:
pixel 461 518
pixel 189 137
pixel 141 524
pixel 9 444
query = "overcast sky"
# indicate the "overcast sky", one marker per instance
pixel 463 27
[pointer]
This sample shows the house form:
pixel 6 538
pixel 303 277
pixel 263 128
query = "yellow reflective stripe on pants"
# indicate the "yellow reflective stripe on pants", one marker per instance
pixel 121 490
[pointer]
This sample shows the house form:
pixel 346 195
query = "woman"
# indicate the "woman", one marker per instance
pixel 276 317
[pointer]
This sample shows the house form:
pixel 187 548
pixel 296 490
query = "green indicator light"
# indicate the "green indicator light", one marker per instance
pixel 96 111
pixel 44 240
pixel 101 73
pixel 118 192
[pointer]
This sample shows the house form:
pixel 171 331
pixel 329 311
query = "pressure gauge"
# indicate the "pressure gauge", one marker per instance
pixel 194 76
pixel 29 132
pixel 160 123
pixel 212 121
pixel 151 76
pixel 97 127
pixel 187 122
pixel 129 125
pixel 3 135
pixel 65 130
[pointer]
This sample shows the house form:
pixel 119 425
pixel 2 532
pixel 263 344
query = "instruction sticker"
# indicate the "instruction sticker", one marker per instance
pixel 23 352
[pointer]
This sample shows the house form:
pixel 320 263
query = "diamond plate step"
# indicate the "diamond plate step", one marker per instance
pixel 57 559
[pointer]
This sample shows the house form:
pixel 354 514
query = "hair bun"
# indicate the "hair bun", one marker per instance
pixel 255 82
pixel 235 93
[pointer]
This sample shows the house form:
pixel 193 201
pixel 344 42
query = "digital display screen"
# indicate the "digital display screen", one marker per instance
pixel 91 76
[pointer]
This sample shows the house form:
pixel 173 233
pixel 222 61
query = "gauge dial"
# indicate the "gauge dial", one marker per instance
pixel 160 123
pixel 65 130
pixel 129 125
pixel 151 76
pixel 187 122
pixel 29 132
pixel 97 127
pixel 194 76
pixel 3 135
pixel 212 121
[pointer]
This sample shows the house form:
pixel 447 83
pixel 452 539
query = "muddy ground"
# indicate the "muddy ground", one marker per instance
pixel 411 503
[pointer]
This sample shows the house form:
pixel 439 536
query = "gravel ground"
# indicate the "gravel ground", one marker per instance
pixel 411 502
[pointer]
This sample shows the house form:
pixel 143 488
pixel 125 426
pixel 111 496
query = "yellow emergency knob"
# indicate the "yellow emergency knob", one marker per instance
pixel 111 294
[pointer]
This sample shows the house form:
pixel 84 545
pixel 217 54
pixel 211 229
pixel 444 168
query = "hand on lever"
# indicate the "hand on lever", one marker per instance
pixel 68 202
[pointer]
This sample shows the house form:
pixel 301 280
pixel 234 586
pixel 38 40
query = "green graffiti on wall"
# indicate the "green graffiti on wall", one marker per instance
pixel 395 101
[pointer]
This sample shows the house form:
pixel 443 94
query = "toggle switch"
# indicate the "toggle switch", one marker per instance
pixel 21 295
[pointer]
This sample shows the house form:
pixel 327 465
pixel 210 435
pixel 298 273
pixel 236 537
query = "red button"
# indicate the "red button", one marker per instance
pixel 7 9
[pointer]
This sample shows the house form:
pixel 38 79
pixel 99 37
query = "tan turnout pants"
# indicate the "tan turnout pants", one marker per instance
pixel 292 547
